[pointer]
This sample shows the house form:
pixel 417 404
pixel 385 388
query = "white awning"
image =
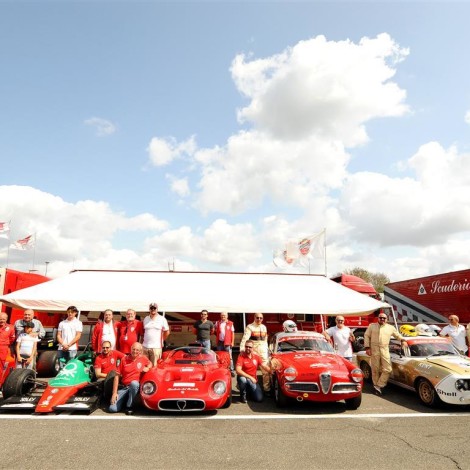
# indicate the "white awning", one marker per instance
pixel 194 291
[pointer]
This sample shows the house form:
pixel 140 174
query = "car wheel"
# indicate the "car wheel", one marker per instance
pixel 18 383
pixel 108 386
pixel 353 403
pixel 279 397
pixel 229 401
pixel 366 371
pixel 358 344
pixel 427 393
pixel 48 364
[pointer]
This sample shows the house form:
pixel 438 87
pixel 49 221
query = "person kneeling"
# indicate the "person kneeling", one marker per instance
pixel 247 368
pixel 127 380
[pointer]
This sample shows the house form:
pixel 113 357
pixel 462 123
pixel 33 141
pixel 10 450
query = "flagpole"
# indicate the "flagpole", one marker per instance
pixel 34 252
pixel 324 251
pixel 8 246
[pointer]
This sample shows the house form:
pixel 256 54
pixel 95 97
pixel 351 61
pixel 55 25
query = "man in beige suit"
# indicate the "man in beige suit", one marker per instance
pixel 377 340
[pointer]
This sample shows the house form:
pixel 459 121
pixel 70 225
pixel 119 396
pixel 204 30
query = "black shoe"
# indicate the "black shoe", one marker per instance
pixel 243 400
pixel 129 411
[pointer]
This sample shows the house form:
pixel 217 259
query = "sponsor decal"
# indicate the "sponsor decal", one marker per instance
pixel 69 370
pixel 55 390
pixel 112 360
pixel 319 364
pixel 421 365
pixel 446 394
pixel 82 399
pixel 27 399
pixel 453 286
pixel 139 365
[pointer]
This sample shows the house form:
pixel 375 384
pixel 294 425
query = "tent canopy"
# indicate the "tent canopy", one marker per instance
pixel 194 291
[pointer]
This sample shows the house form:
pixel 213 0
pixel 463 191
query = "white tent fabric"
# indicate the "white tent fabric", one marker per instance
pixel 194 291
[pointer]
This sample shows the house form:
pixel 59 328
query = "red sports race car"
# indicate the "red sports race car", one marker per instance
pixel 190 378
pixel 306 367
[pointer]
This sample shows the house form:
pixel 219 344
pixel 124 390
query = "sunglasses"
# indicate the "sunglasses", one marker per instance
pixel 382 318
pixel 339 321
pixel 106 347
pixel 258 318
pixel 248 347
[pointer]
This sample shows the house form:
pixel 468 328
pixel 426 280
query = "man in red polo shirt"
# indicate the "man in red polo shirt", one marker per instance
pixel 130 331
pixel 7 337
pixel 128 374
pixel 108 360
pixel 247 369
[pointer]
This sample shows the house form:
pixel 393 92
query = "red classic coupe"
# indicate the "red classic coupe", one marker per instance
pixel 190 378
pixel 306 367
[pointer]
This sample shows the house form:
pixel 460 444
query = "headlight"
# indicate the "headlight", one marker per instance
pixel 356 375
pixel 219 387
pixel 149 388
pixel 290 374
pixel 462 385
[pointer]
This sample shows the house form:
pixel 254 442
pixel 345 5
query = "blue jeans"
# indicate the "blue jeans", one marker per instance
pixel 67 355
pixel 246 385
pixel 221 347
pixel 128 391
pixel 205 343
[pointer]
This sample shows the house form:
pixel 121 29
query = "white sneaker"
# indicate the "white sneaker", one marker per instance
pixel 378 389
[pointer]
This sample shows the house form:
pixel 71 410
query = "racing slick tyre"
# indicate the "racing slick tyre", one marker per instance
pixel 427 393
pixel 228 402
pixel 367 371
pixel 18 383
pixel 48 364
pixel 353 403
pixel 108 387
pixel 279 397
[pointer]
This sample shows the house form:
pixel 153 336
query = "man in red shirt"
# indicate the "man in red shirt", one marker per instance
pixel 247 368
pixel 105 330
pixel 130 331
pixel 128 374
pixel 7 337
pixel 108 360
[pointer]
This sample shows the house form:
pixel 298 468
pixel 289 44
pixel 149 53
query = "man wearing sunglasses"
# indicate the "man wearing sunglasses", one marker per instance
pixel 376 341
pixel 341 337
pixel 156 331
pixel 258 334
pixel 108 360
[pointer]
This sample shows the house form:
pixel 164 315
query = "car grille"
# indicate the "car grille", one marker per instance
pixel 302 387
pixel 325 382
pixel 344 388
pixel 181 405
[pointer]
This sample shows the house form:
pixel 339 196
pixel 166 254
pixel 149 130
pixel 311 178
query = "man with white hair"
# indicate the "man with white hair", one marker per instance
pixel 28 316
pixel 7 337
pixel 341 337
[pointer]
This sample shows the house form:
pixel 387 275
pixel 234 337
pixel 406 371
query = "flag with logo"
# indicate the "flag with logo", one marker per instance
pixel 4 229
pixel 23 244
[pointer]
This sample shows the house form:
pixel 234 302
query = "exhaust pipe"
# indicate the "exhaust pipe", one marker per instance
pixel 300 398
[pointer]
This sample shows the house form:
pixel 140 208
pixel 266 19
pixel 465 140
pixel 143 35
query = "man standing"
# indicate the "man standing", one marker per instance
pixel 341 336
pixel 225 336
pixel 258 334
pixel 108 360
pixel 128 374
pixel 457 333
pixel 130 331
pixel 68 334
pixel 28 316
pixel 376 340
pixel 105 330
pixel 7 337
pixel 203 329
pixel 156 331
pixel 247 368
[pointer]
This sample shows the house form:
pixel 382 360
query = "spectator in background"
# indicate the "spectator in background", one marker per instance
pixel 108 360
pixel 106 330
pixel 130 331
pixel 225 337
pixel 128 375
pixel 156 331
pixel 341 337
pixel 28 316
pixel 7 337
pixel 26 347
pixel 457 333
pixel 203 329
pixel 68 335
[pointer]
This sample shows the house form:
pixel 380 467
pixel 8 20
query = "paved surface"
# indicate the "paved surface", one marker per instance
pixel 391 432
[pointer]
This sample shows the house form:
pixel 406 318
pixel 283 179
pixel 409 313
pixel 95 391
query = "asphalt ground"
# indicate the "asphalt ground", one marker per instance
pixel 391 432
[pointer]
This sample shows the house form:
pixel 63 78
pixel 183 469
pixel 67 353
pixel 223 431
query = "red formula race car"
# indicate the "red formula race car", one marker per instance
pixel 306 367
pixel 190 378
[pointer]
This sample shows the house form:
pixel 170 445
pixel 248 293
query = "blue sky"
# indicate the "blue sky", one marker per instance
pixel 210 133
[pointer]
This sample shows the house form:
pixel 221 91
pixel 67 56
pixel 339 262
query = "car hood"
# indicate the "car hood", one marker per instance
pixel 457 364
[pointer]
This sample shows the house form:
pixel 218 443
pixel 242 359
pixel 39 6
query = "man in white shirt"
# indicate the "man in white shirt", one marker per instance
pixel 457 333
pixel 68 334
pixel 341 336
pixel 156 331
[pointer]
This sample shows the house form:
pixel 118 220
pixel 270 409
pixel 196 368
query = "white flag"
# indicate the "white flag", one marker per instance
pixel 23 244
pixel 4 229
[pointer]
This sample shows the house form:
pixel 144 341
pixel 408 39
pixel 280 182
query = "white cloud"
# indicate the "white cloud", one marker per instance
pixel 467 117
pixel 179 186
pixel 164 151
pixel 103 127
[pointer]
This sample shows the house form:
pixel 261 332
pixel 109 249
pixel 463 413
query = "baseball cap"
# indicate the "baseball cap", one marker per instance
pixel 153 305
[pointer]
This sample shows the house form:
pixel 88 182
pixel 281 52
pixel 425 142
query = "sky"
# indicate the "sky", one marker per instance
pixel 203 136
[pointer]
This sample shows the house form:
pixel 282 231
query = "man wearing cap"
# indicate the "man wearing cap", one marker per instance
pixel 105 330
pixel 68 334
pixel 376 341
pixel 156 331
pixel 130 331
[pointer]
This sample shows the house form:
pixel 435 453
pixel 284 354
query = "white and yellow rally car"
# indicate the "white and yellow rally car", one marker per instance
pixel 429 365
